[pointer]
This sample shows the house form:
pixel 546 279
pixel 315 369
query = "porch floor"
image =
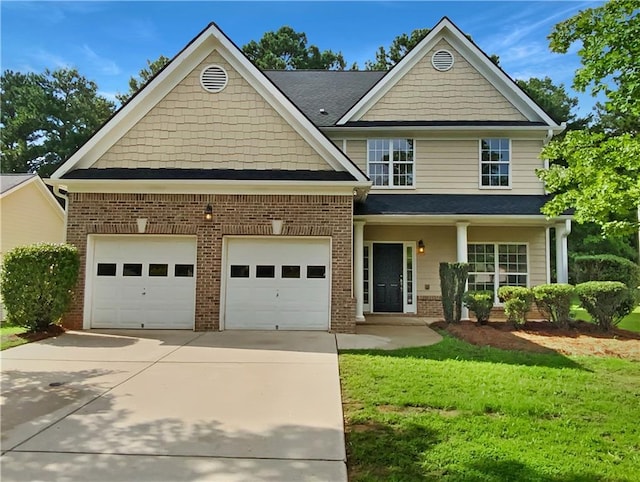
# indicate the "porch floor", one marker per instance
pixel 390 319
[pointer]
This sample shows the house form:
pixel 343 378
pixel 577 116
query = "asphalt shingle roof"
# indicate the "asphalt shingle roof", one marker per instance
pixel 226 174
pixel 452 204
pixel 9 181
pixel 335 91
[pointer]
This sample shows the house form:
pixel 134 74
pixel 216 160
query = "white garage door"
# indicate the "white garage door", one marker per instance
pixel 143 282
pixel 277 284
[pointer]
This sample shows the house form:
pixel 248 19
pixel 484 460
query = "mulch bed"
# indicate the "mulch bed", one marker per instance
pixel 52 330
pixel 581 338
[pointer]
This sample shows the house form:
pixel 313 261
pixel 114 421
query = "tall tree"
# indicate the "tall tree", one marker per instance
pixel 403 43
pixel 50 116
pixel 22 120
pixel 145 75
pixel 555 100
pixel 601 178
pixel 287 49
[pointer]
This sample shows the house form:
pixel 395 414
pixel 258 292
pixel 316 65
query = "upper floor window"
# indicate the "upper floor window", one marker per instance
pixel 390 162
pixel 495 160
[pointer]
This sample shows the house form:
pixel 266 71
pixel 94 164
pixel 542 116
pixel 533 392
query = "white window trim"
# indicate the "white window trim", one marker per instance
pixel 496 280
pixel 406 307
pixel 413 177
pixel 494 188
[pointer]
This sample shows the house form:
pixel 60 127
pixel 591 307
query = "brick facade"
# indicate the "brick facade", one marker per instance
pixel 430 306
pixel 303 215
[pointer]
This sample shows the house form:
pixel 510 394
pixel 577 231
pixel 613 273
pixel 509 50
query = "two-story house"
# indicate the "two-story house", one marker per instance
pixel 224 197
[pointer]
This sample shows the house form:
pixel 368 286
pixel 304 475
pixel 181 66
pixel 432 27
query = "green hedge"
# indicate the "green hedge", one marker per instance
pixel 36 283
pixel 554 302
pixel 517 301
pixel 480 303
pixel 606 301
pixel 606 267
pixel 453 278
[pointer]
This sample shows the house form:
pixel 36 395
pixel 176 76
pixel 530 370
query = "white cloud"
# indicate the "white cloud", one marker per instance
pixel 104 65
pixel 108 95
pixel 50 59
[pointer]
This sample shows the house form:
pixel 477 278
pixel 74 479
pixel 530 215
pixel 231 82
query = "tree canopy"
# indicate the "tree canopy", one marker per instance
pixel 609 52
pixel 286 49
pixel 144 76
pixel 597 171
pixel 555 100
pixel 46 117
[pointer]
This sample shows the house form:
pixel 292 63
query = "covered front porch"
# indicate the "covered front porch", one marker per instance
pixel 396 261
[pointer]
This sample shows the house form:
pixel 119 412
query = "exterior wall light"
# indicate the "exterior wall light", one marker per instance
pixel 421 247
pixel 208 212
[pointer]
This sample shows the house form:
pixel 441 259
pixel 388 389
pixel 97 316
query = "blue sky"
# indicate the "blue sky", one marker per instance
pixel 110 41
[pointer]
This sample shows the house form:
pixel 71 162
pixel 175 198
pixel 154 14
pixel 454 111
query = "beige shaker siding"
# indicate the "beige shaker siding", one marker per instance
pixel 440 246
pixel 27 217
pixel 460 93
pixel 233 129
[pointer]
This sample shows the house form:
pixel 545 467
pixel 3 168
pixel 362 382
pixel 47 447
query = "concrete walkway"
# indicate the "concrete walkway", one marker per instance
pixel 388 337
pixel 171 405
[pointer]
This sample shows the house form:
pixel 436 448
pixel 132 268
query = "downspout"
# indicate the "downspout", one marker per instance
pixel 65 198
pixel 547 138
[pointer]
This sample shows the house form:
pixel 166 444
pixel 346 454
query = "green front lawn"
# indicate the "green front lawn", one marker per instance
pixel 458 412
pixel 9 338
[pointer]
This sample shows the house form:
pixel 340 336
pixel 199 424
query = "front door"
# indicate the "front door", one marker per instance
pixel 387 277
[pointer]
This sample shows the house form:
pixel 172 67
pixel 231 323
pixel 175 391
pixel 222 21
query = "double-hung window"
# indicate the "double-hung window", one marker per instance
pixel 390 162
pixel 495 163
pixel 492 265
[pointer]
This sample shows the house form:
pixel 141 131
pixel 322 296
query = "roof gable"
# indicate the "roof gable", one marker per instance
pixel 196 54
pixel 29 183
pixel 515 105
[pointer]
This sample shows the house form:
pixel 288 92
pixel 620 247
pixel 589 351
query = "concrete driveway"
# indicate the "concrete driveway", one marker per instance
pixel 172 406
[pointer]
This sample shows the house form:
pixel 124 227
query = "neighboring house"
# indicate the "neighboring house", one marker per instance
pixel 223 197
pixel 29 213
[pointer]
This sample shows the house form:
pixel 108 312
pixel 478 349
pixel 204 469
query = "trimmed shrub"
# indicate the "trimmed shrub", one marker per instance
pixel 480 303
pixel 517 301
pixel 606 301
pixel 36 283
pixel 453 278
pixel 554 302
pixel 606 267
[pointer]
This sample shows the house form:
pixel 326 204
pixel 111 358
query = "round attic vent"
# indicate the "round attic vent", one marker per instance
pixel 213 78
pixel 442 60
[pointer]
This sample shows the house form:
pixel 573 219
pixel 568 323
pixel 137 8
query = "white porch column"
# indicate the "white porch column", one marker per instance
pixel 562 252
pixel 462 254
pixel 358 269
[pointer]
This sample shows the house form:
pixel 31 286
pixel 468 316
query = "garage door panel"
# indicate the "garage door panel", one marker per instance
pixel 162 296
pixel 289 300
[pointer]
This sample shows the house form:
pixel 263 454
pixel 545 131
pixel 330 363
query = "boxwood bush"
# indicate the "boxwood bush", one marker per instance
pixel 36 283
pixel 606 267
pixel 606 301
pixel 554 302
pixel 480 303
pixel 453 278
pixel 517 301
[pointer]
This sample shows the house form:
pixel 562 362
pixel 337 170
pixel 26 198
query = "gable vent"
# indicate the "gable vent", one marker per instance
pixel 213 78
pixel 442 60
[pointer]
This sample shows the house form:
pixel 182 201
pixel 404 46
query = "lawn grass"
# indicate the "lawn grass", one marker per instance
pixel 458 412
pixel 8 338
pixel 630 322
